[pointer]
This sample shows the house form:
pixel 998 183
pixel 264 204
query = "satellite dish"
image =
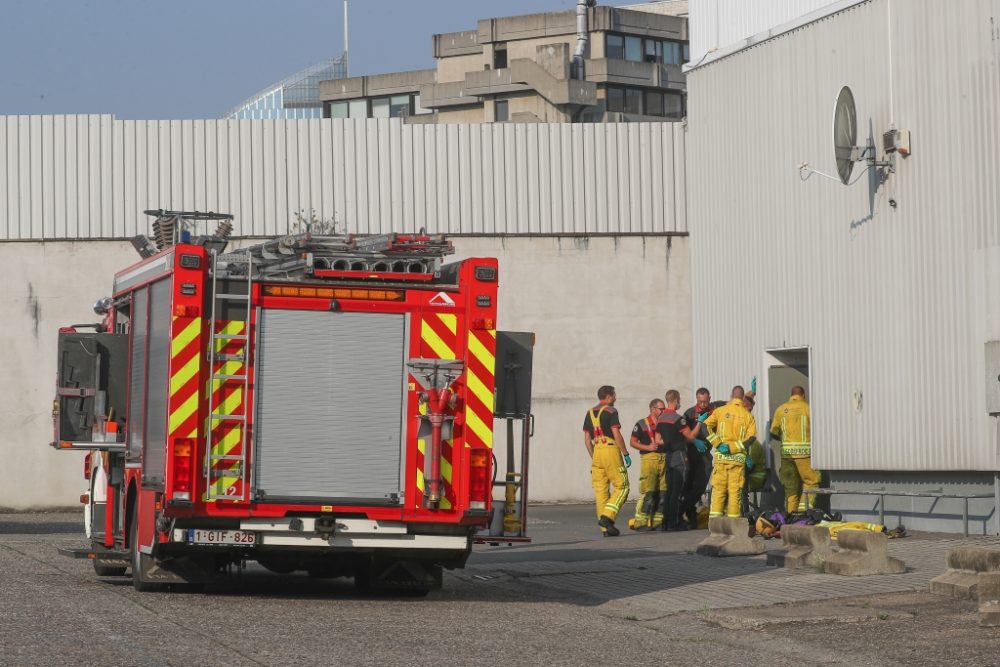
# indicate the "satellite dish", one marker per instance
pixel 845 133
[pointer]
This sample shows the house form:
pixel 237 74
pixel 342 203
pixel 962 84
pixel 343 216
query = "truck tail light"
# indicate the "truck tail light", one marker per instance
pixel 183 468
pixel 479 478
pixel 86 466
pixel 482 323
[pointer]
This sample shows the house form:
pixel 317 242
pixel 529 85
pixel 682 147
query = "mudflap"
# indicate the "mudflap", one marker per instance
pixel 176 570
pixel 399 576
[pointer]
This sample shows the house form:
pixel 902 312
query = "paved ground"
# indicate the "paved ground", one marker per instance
pixel 570 598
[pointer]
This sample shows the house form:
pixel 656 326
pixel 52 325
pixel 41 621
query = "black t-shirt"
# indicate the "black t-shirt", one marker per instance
pixel 641 433
pixel 670 426
pixel 692 414
pixel 608 420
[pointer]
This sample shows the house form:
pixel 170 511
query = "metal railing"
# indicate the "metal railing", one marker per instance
pixel 882 493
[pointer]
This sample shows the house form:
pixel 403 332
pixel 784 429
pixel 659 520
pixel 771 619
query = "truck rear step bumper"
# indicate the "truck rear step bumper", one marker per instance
pixel 343 534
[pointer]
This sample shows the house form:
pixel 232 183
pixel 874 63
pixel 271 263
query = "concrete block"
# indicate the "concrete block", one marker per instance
pixel 729 537
pixel 989 614
pixel 805 546
pixel 964 566
pixel 989 586
pixel 861 554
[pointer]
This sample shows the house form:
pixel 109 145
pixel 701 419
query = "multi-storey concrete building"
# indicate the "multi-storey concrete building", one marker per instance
pixel 521 68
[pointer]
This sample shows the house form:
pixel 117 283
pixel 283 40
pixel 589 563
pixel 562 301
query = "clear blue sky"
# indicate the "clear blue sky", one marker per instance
pixel 199 58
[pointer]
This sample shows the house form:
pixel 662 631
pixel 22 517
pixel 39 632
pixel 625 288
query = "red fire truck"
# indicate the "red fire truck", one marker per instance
pixel 317 403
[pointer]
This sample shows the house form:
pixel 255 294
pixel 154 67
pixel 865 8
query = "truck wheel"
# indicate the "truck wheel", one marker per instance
pixel 109 570
pixel 140 561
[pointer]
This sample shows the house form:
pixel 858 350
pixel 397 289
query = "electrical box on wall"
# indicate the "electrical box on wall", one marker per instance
pixel 993 377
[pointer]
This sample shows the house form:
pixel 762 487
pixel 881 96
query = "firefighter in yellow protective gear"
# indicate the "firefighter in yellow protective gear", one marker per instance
pixel 791 424
pixel 609 459
pixel 729 428
pixel 652 470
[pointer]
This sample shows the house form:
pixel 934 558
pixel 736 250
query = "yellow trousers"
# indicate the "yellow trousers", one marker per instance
pixel 652 490
pixel 796 474
pixel 728 478
pixel 608 469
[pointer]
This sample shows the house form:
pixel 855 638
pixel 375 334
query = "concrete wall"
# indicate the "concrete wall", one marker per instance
pixel 584 297
pixel 46 285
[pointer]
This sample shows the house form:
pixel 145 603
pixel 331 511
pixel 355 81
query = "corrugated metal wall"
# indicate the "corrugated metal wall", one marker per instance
pixel 896 304
pixel 715 24
pixel 80 177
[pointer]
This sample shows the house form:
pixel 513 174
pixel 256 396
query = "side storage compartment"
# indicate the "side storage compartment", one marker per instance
pixel 90 388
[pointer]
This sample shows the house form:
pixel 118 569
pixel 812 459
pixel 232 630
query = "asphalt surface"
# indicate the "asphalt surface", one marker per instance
pixel 562 600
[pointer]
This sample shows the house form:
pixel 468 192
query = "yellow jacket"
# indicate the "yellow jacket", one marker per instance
pixel 731 425
pixel 791 422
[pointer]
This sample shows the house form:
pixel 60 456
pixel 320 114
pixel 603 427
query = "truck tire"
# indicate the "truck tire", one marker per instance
pixel 140 561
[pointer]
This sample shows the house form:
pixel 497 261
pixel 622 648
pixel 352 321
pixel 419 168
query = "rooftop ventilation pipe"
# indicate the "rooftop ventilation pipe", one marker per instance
pixel 582 36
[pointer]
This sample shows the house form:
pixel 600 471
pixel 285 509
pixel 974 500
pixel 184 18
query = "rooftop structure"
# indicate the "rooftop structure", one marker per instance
pixel 295 96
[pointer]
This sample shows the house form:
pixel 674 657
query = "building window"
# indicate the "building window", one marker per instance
pixel 615 99
pixel 614 47
pixel 399 106
pixel 633 100
pixel 633 49
pixel 673 106
pixel 337 110
pixel 358 109
pixel 500 58
pixel 417 109
pixel 654 103
pixel 380 107
pixel 501 111
pixel 644 102
pixel 645 49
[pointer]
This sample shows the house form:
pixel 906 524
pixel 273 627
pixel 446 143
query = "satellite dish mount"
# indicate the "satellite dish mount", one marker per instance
pixel 845 140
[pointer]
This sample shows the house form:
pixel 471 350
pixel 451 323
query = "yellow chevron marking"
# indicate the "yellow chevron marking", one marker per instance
pixel 482 431
pixel 480 352
pixel 227 368
pixel 480 390
pixel 184 374
pixel 185 410
pixel 232 327
pixel 228 442
pixel 492 332
pixel 434 341
pixel 232 402
pixel 184 338
pixel 450 321
pixel 445 504
pixel 446 470
pixel 421 448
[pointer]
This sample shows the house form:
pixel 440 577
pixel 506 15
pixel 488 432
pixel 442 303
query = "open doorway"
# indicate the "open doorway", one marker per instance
pixel 786 368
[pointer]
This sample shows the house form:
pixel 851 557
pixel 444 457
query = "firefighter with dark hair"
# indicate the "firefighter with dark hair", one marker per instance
pixel 699 457
pixel 676 433
pixel 609 459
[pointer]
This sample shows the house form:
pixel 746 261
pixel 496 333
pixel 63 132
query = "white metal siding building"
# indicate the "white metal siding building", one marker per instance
pixel 888 290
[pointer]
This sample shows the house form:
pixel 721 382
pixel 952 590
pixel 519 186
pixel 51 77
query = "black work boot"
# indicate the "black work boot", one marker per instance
pixel 609 527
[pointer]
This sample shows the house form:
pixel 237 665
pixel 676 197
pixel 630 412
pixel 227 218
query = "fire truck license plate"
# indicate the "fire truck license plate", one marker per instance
pixel 243 538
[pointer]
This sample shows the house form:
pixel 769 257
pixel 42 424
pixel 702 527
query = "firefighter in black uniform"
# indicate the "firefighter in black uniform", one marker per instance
pixel 699 457
pixel 676 433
